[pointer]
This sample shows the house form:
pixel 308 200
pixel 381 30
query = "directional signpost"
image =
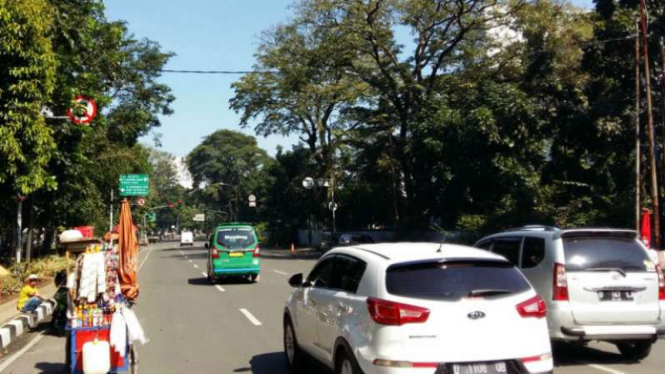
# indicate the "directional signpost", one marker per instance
pixel 134 184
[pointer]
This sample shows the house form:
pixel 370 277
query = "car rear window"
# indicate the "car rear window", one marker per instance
pixel 449 281
pixel 236 237
pixel 588 253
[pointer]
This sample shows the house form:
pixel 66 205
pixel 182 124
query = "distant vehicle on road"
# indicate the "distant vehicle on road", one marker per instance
pixel 233 251
pixel 154 238
pixel 414 309
pixel 187 238
pixel 599 284
pixel 342 239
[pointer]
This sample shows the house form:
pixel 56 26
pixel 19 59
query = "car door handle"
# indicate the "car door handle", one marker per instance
pixel 343 307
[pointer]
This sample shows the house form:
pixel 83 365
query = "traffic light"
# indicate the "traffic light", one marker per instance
pixel 171 205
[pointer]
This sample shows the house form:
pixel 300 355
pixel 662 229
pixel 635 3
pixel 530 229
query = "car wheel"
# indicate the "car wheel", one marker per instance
pixel 636 350
pixel 346 363
pixel 294 356
pixel 211 276
pixel 254 278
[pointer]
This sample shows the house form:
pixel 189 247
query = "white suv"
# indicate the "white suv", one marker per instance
pixel 599 284
pixel 416 308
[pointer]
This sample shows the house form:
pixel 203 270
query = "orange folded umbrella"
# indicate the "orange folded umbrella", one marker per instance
pixel 129 253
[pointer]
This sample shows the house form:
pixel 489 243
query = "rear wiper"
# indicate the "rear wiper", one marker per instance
pixel 618 270
pixel 487 292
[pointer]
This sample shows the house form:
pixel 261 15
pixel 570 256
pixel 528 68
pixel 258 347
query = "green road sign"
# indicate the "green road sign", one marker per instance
pixel 134 184
pixel 152 217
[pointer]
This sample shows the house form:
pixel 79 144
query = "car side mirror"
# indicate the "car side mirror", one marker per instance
pixel 205 245
pixel 296 280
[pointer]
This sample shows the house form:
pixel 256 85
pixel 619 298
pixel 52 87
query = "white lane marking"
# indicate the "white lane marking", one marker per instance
pixel 250 317
pixel 145 259
pixel 190 261
pixel 196 266
pixel 220 288
pixel 602 368
pixel 280 272
pixel 20 353
pixel 204 274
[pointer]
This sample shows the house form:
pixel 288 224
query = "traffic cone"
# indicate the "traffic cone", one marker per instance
pixel 293 248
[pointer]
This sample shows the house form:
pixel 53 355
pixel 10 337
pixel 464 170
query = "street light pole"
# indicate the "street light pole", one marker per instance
pixel 19 228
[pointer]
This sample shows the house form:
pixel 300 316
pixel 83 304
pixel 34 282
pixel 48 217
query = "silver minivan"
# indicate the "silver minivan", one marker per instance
pixel 599 284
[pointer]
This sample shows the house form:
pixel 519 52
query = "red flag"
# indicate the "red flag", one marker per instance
pixel 645 232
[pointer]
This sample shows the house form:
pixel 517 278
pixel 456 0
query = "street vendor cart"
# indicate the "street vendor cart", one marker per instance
pixel 91 316
pixel 101 289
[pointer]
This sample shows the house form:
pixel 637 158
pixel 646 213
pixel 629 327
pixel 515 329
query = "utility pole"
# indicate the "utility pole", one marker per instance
pixel 31 224
pixel 638 155
pixel 652 144
pixel 19 229
pixel 111 213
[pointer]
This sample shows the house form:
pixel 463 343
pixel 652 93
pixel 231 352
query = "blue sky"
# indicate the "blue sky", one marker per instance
pixel 205 35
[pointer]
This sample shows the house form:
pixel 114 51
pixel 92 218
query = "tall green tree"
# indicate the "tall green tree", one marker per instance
pixel 27 78
pixel 300 88
pixel 228 166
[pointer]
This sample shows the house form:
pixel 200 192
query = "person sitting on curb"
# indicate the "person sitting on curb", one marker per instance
pixel 29 299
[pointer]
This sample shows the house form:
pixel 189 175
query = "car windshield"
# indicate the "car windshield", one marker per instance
pixel 236 238
pixel 593 253
pixel 450 281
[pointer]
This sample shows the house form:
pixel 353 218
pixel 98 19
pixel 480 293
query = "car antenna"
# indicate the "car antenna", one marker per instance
pixel 438 229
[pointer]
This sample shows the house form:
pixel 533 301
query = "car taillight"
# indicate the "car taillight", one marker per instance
pixel 560 283
pixel 257 251
pixel 527 360
pixel 396 314
pixel 661 283
pixel 215 253
pixel 534 307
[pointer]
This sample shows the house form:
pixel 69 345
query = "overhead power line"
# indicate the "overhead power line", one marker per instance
pixel 243 72
pixel 227 72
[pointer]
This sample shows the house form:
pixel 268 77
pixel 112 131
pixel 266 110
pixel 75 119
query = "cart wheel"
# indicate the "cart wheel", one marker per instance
pixel 133 361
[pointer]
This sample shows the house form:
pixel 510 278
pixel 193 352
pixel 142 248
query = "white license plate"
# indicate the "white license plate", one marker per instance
pixel 481 368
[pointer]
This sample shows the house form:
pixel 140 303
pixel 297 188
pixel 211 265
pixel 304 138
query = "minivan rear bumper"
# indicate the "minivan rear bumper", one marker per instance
pixel 613 332
pixel 237 271
pixel 563 326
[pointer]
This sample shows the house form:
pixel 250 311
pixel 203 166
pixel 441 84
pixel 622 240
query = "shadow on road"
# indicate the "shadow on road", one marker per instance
pixel 220 281
pixel 286 255
pixel 180 248
pixel 275 363
pixel 566 354
pixel 50 368
pixel 192 256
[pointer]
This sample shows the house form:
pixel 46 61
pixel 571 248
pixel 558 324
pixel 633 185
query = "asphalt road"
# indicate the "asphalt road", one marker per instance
pixel 236 327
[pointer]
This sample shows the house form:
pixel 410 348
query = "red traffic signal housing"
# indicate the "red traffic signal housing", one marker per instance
pixel 171 205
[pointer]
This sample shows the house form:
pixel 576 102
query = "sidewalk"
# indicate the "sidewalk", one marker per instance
pixel 14 324
pixel 8 307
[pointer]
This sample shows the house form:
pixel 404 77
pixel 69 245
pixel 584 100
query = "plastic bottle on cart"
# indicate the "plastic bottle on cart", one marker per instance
pixel 84 314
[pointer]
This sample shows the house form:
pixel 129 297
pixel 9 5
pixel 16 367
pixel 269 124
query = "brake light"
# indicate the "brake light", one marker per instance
pixel 395 314
pixel 661 283
pixel 257 251
pixel 527 360
pixel 215 253
pixel 560 283
pixel 534 307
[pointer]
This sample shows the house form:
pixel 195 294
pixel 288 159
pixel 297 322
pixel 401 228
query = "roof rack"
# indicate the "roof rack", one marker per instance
pixel 534 228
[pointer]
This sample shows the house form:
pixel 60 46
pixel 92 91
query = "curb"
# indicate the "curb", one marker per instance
pixel 24 322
